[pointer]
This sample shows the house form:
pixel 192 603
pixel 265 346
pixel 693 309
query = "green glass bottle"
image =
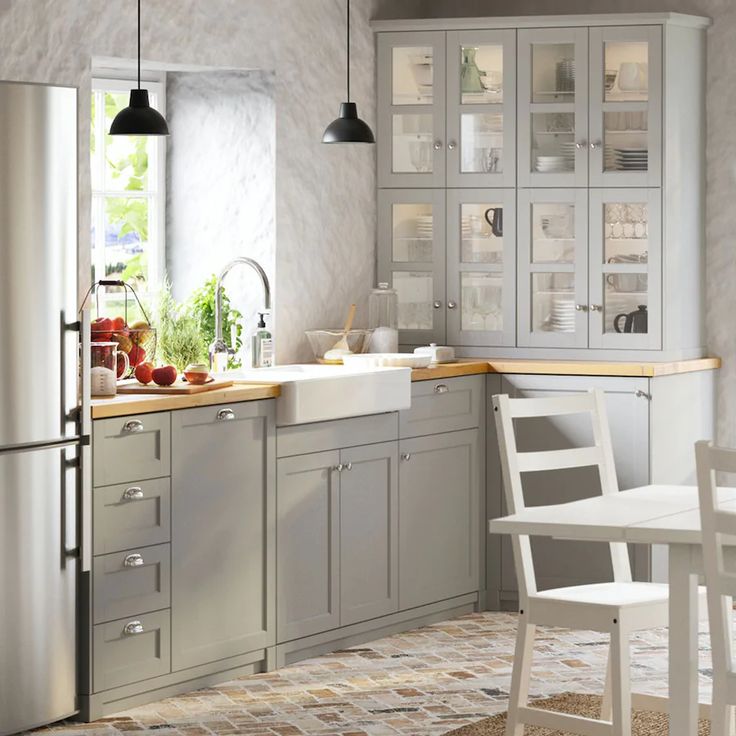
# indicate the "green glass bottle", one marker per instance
pixel 470 82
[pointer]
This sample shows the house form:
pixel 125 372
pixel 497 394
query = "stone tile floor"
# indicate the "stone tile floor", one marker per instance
pixel 424 682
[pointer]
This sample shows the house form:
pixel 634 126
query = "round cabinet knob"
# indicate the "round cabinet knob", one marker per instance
pixel 581 144
pixel 338 468
pixel 406 456
pixel 596 307
pixel 132 426
pixel 134 560
pixel 581 307
pixel 452 145
pixel 595 144
pixel 132 628
pixel 438 145
pixel 349 466
pixel 134 493
pixel 437 304
pixel 225 415
pixel 451 305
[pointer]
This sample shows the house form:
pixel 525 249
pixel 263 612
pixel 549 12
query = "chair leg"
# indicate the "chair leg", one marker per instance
pixel 606 704
pixel 520 676
pixel 620 684
pixel 721 713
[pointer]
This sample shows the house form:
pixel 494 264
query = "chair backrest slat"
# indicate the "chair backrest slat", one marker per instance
pixel 715 523
pixel 514 463
pixel 576 457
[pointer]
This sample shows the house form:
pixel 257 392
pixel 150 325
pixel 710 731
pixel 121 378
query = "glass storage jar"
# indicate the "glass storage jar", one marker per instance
pixel 383 306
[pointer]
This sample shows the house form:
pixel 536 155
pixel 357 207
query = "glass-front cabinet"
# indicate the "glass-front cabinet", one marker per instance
pixel 625 268
pixel 447 104
pixel 553 268
pixel 481 108
pixel 625 106
pixel 412 225
pixel 553 107
pixel 523 203
pixel 411 118
pixel 481 237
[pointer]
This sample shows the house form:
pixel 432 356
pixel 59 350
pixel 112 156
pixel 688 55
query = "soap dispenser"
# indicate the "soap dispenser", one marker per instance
pixel 262 352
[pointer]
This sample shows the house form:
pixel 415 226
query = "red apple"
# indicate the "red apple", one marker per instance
pixel 164 376
pixel 101 329
pixel 144 372
pixel 136 355
pixel 118 325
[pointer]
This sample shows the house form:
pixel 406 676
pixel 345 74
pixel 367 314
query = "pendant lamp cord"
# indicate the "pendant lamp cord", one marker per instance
pixel 348 65
pixel 139 43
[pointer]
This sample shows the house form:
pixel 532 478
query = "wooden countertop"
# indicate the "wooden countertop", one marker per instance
pixel 472 366
pixel 126 404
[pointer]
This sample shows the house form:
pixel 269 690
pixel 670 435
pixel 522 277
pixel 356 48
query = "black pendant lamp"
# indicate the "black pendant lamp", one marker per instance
pixel 348 128
pixel 139 118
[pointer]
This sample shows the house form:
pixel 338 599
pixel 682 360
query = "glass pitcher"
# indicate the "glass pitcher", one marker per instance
pixel 470 81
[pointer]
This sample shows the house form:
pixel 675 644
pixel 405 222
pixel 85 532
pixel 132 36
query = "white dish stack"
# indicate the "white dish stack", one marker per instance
pixel 562 318
pixel 631 159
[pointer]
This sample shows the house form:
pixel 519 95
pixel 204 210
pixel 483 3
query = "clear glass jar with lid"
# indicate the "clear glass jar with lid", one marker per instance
pixel 383 319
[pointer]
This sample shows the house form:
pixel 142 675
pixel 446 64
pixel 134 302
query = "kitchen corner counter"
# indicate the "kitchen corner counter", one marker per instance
pixel 473 366
pixel 126 404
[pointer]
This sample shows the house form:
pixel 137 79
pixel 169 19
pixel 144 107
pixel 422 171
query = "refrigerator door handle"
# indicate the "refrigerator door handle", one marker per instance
pixel 85 451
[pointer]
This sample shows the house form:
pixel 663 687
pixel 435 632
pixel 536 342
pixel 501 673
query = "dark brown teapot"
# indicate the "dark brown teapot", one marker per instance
pixel 637 321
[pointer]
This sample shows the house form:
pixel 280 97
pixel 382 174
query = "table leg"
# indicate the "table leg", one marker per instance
pixel 683 643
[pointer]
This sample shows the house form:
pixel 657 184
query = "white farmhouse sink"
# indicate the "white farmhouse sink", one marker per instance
pixel 317 393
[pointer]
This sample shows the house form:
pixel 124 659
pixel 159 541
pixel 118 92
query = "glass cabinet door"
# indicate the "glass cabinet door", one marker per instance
pixel 411 118
pixel 481 107
pixel 411 257
pixel 553 268
pixel 626 106
pixel 553 107
pixel 481 237
pixel 625 268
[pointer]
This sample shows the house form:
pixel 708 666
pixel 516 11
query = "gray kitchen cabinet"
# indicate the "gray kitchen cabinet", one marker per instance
pixel 223 522
pixel 131 448
pixel 369 532
pixel 654 423
pixel 308 599
pixel 439 507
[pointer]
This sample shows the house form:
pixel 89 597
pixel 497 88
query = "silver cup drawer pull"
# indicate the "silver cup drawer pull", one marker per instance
pixel 132 628
pixel 134 493
pixel 225 415
pixel 441 388
pixel 134 560
pixel 132 426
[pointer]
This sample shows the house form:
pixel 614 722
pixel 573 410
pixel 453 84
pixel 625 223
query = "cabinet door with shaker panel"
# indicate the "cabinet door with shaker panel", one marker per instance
pixel 223 532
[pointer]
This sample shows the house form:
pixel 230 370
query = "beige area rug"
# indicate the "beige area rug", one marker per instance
pixel 644 722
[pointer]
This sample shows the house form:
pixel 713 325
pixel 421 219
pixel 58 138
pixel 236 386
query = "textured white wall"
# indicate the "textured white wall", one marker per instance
pixel 325 195
pixel 221 181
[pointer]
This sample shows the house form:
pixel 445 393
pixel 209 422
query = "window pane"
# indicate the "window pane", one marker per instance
pixel 481 74
pixel 626 71
pixel 413 75
pixel 553 302
pixel 126 157
pixel 413 138
pixel 482 233
pixel 553 232
pixel 126 239
pixel 482 302
pixel 415 293
pixel 553 72
pixel 413 233
pixel 482 143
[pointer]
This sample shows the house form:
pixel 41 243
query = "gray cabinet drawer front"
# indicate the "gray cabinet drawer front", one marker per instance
pixel 131 582
pixel 121 658
pixel 324 436
pixel 132 515
pixel 444 405
pixel 131 448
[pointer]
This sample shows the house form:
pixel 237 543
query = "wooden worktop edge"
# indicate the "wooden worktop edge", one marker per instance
pixel 124 405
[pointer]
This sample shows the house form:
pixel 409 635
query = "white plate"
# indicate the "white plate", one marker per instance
pixel 386 360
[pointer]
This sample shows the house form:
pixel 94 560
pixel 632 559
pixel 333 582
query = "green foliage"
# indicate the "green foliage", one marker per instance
pixel 202 309
pixel 132 213
pixel 180 340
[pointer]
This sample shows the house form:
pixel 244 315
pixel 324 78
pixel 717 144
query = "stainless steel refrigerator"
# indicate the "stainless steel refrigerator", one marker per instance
pixel 41 433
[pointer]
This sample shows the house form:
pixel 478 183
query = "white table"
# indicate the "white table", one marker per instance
pixel 660 514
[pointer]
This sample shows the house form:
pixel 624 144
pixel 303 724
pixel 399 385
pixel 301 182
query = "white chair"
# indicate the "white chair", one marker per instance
pixel 617 608
pixel 715 521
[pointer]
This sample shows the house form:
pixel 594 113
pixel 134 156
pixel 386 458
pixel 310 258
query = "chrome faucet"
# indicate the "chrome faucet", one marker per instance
pixel 219 351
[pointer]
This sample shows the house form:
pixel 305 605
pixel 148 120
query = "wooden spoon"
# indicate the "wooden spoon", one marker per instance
pixel 341 347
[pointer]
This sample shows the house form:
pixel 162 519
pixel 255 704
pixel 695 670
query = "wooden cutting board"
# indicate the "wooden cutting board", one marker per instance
pixel 180 387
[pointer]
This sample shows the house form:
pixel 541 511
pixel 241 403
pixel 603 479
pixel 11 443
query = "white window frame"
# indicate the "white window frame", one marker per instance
pixel 156 177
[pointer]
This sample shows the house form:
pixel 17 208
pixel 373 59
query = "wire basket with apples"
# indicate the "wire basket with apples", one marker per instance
pixel 136 340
